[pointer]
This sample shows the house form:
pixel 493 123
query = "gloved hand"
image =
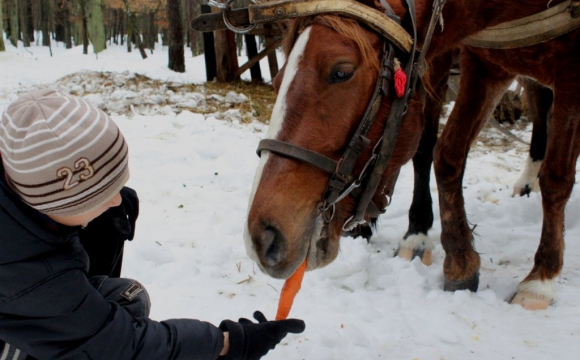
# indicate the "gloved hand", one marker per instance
pixel 251 341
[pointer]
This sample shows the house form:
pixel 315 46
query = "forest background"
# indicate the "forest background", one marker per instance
pixel 138 24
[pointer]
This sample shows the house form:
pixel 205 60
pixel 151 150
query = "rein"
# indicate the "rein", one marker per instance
pixel 342 182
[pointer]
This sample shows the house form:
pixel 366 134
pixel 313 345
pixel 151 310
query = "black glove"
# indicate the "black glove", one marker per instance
pixel 251 341
pixel 104 237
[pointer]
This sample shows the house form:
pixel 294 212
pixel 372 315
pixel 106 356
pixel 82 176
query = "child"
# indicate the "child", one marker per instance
pixel 64 216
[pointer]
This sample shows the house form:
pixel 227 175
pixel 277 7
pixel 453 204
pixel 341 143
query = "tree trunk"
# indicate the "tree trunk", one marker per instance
pixel 152 31
pixel 75 31
pixel 192 34
pixel 96 25
pixel 137 35
pixel 45 13
pixel 115 26
pixel 13 15
pixel 85 29
pixel 122 27
pixel 59 24
pixel 23 16
pixel 2 47
pixel 176 53
pixel 67 30
pixel 29 21
pixel 165 37
pixel 62 26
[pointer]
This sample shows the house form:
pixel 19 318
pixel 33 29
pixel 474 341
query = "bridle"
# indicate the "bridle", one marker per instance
pixel 342 181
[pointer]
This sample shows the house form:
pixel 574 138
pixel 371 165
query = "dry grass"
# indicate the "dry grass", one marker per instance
pixel 261 97
pixel 259 107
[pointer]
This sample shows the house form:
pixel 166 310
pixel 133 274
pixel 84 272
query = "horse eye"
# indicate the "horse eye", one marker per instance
pixel 341 74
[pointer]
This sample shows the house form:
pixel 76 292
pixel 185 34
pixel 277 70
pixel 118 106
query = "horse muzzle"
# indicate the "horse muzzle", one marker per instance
pixel 279 254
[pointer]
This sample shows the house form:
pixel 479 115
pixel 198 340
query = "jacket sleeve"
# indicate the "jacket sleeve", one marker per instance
pixel 66 318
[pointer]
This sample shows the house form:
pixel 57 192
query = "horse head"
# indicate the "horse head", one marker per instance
pixel 323 92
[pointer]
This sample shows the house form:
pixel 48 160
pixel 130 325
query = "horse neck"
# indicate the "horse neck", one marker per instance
pixel 463 18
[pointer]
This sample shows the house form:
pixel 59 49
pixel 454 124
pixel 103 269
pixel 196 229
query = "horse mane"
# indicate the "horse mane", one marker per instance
pixel 344 26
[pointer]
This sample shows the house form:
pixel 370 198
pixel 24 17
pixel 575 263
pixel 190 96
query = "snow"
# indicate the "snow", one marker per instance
pixel 194 174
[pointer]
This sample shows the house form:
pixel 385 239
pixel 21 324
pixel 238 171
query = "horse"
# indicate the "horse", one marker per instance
pixel 539 101
pixel 323 90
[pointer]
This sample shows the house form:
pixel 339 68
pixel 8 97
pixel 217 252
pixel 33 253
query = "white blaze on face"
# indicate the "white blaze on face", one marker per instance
pixel 278 114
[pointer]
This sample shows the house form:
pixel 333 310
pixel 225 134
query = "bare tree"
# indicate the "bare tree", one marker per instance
pixel 2 47
pixel 176 52
pixel 13 16
pixel 96 25
pixel 23 19
pixel 45 15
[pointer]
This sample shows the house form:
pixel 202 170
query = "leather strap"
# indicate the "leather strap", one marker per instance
pixel 393 123
pixel 299 153
pixel 289 9
pixel 546 25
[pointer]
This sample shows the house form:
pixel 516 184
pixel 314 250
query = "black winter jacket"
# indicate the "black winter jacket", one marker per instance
pixel 49 310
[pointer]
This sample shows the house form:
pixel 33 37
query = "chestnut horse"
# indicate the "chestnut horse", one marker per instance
pixel 323 91
pixel 539 102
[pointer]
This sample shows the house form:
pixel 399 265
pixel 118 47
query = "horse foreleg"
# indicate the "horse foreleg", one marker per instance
pixel 416 243
pixel 536 291
pixel 539 99
pixel 480 89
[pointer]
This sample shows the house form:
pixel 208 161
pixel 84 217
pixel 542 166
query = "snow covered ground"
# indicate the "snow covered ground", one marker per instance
pixel 194 173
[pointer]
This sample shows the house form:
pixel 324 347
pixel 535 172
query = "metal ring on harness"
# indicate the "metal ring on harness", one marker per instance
pixel 324 209
pixel 227 7
pixel 235 29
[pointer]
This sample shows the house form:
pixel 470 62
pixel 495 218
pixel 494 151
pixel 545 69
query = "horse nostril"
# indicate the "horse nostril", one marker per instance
pixel 273 246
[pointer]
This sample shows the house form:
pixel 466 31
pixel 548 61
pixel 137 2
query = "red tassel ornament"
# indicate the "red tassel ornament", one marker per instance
pixel 400 79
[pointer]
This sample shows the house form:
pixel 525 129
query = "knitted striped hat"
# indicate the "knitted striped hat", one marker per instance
pixel 62 155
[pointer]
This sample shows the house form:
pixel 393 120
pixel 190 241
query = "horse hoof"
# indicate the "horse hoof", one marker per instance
pixel 470 284
pixel 426 256
pixel 526 190
pixel 534 294
pixel 528 181
pixel 416 245
pixel 531 301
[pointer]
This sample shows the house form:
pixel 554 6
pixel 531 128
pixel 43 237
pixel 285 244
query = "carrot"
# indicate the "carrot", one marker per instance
pixel 289 291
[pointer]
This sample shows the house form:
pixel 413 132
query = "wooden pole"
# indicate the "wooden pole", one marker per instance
pixel 225 53
pixel 252 49
pixel 209 49
pixel 268 50
pixel 272 59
